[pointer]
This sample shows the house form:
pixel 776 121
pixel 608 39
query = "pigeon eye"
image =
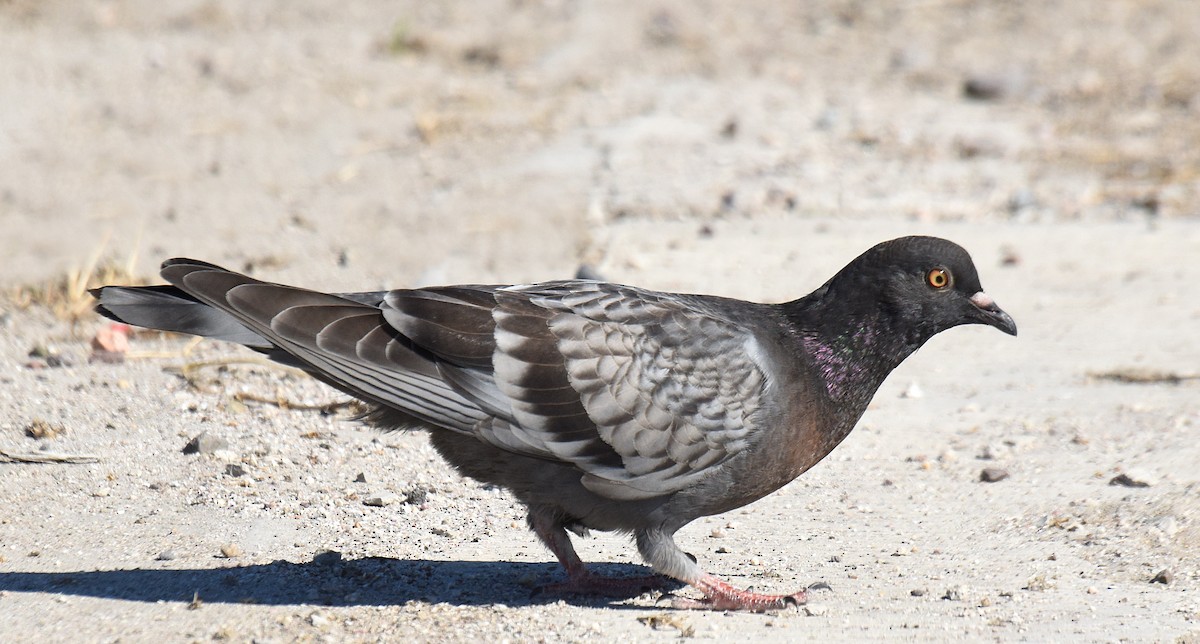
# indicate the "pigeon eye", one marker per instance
pixel 938 278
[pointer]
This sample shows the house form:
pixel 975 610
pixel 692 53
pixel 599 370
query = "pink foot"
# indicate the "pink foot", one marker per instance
pixel 719 595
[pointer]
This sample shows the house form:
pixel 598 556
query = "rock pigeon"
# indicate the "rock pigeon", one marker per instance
pixel 601 406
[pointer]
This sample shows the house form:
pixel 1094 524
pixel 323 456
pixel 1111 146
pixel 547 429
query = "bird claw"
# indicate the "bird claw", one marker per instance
pixel 719 595
pixel 746 601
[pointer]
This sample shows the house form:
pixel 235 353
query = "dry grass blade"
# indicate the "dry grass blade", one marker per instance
pixel 191 373
pixel 67 296
pixel 47 457
pixel 284 403
pixel 1142 376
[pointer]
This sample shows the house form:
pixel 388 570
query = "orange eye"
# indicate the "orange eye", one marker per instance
pixel 938 278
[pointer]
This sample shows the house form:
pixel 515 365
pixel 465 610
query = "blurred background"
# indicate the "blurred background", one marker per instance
pixel 741 148
pixel 411 142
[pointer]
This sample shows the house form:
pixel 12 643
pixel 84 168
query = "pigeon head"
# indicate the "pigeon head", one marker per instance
pixel 917 287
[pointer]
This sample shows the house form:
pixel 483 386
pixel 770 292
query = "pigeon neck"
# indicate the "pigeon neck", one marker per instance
pixel 852 351
pixel 855 363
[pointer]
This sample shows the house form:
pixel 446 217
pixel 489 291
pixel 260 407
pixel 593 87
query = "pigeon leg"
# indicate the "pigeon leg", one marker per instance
pixel 661 552
pixel 580 581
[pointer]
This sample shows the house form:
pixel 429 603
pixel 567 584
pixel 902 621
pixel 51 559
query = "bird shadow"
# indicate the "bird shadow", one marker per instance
pixel 330 581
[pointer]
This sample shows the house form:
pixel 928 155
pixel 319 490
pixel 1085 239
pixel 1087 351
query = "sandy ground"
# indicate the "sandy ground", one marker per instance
pixel 746 150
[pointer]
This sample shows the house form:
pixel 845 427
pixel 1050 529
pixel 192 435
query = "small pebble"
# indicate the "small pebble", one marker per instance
pixel 1038 583
pixel 42 351
pixel 1009 256
pixel 47 357
pixel 385 499
pixel 1128 479
pixel 1019 201
pixel 231 550
pixel 994 451
pixel 917 592
pixel 205 443
pixel 166 555
pixel 1164 576
pixel 418 496
pixel 913 391
pixel 235 469
pixel 41 429
pixel 992 86
pixel 361 478
pixel 992 474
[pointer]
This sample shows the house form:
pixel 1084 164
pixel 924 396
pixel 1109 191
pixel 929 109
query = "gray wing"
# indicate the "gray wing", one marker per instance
pixel 642 391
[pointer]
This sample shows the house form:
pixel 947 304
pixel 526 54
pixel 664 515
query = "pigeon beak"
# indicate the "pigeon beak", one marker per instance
pixel 991 314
